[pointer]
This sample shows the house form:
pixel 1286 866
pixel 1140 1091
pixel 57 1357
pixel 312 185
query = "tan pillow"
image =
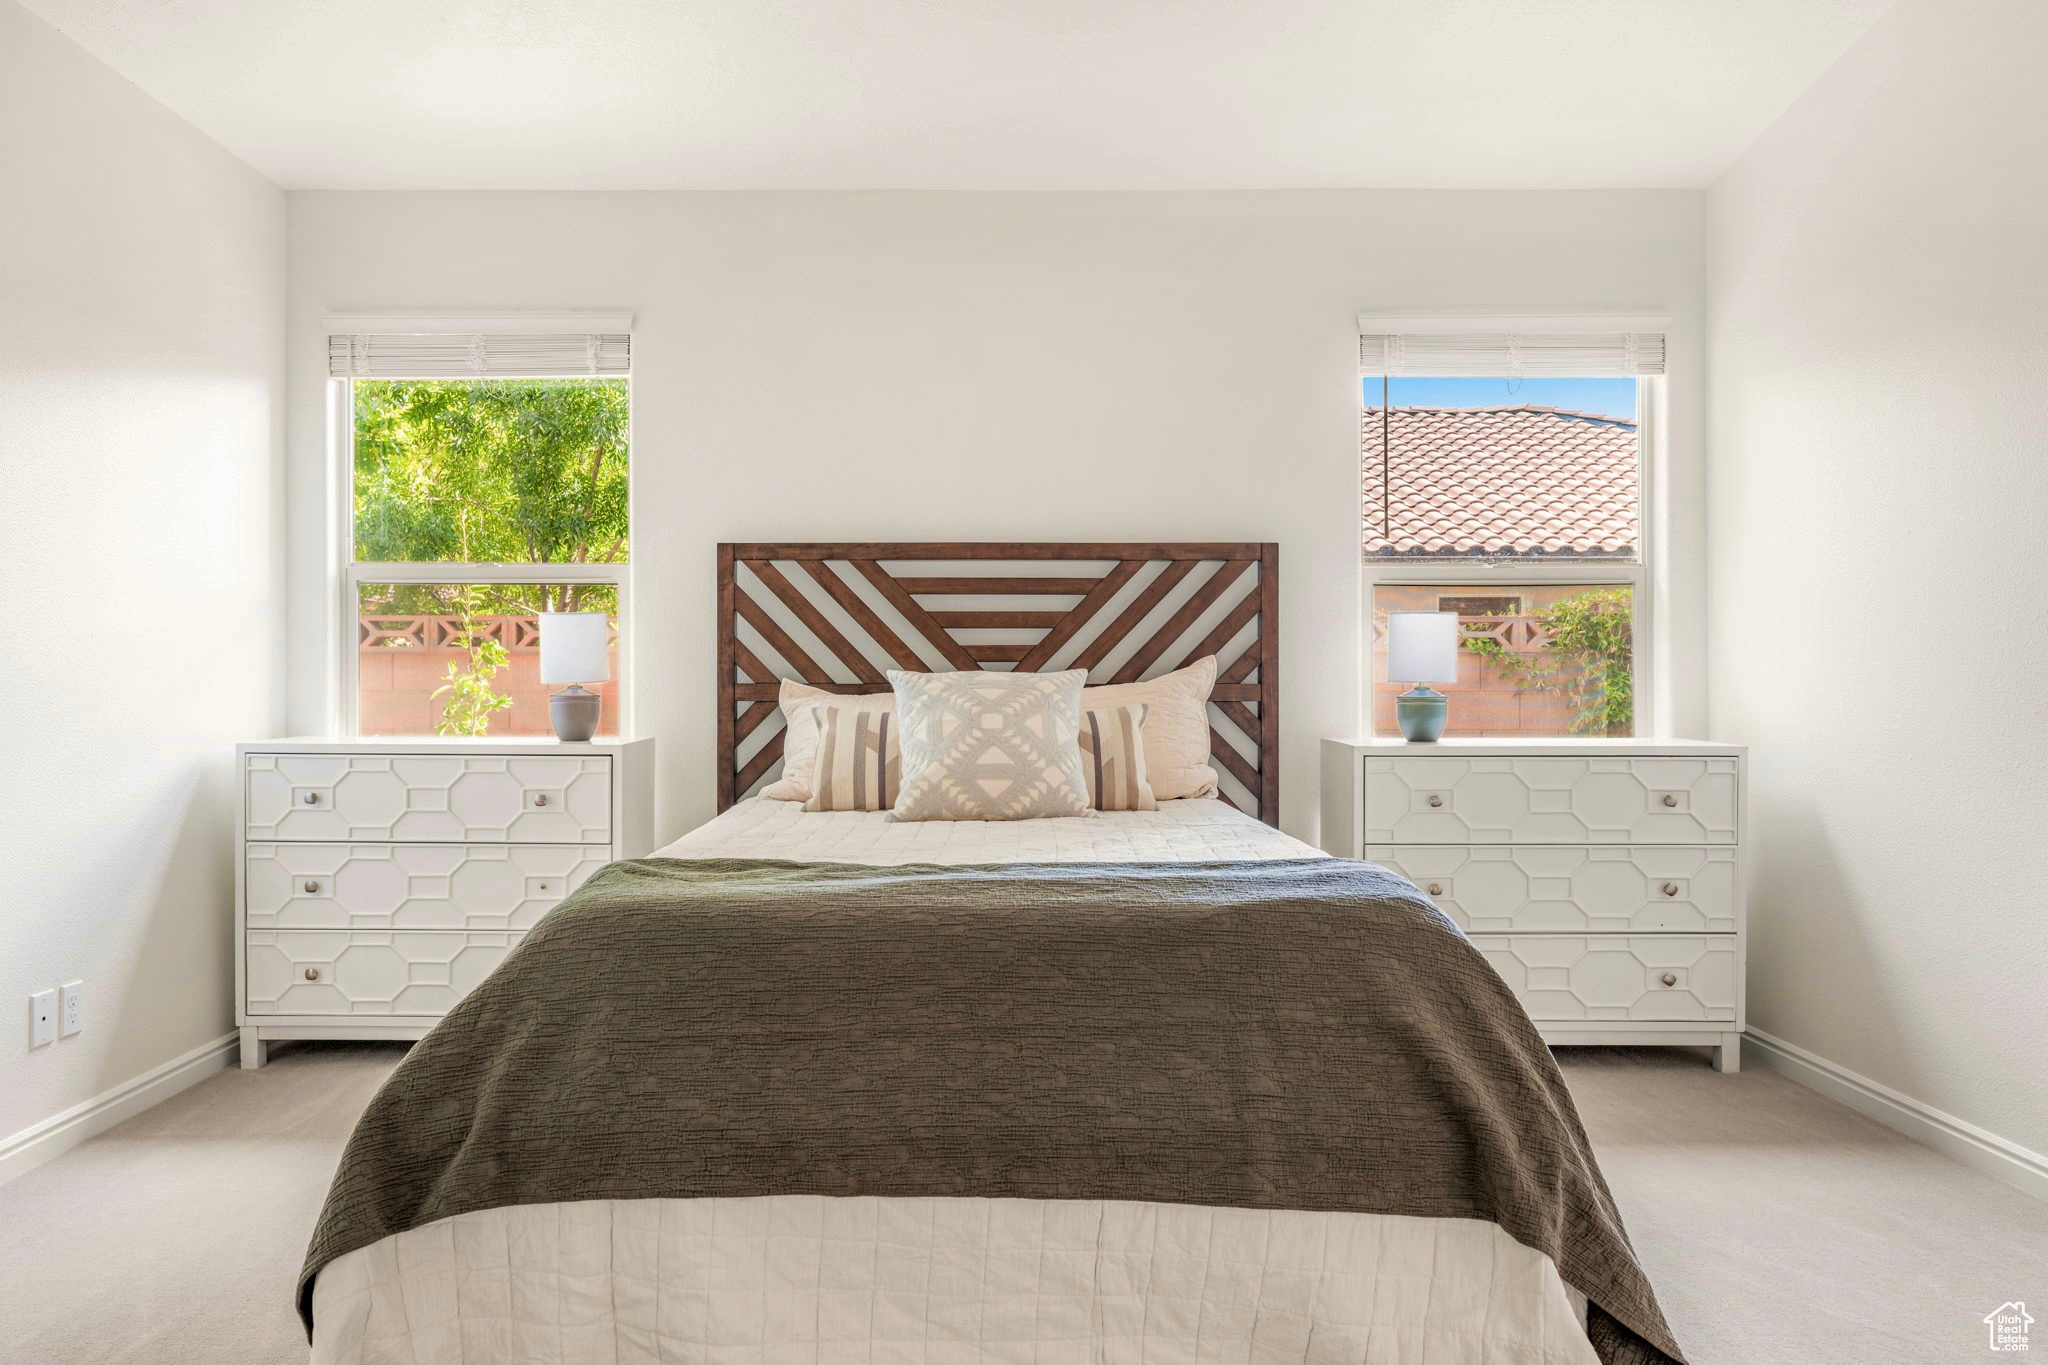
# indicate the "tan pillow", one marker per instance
pixel 800 703
pixel 860 759
pixel 1176 726
pixel 1176 729
pixel 1113 758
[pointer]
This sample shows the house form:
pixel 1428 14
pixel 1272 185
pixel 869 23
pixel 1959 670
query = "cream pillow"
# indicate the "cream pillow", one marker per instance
pixel 1176 726
pixel 990 746
pixel 1176 729
pixel 800 703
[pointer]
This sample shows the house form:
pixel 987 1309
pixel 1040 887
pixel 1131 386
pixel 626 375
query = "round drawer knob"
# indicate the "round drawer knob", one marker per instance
pixel 312 798
pixel 1670 800
pixel 312 973
pixel 1436 888
pixel 1436 800
pixel 543 886
pixel 540 798
pixel 1669 978
pixel 312 888
pixel 1671 888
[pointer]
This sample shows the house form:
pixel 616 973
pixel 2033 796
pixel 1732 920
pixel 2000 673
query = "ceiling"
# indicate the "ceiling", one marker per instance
pixel 973 94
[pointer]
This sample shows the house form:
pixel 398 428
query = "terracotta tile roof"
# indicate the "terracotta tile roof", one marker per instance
pixel 1521 479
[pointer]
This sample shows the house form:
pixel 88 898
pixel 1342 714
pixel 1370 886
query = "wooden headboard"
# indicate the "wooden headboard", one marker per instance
pixel 837 616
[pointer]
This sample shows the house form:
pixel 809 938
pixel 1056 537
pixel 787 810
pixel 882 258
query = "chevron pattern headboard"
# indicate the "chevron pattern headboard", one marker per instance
pixel 836 616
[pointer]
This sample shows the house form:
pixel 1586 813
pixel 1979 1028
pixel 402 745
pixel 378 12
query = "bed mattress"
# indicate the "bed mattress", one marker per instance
pixel 801 1280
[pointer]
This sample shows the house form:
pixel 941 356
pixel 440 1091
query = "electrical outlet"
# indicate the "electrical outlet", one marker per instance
pixel 42 1018
pixel 70 1008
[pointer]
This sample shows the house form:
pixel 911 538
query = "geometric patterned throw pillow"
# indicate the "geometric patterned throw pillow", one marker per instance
pixel 859 760
pixel 990 746
pixel 1113 758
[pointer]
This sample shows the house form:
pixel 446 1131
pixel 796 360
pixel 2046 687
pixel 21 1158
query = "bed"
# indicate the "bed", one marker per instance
pixel 1144 1086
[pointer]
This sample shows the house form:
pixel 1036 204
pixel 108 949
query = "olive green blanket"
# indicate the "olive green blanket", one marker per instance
pixel 1281 1035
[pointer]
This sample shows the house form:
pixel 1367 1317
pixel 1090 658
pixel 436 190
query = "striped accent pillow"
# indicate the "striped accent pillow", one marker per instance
pixel 860 760
pixel 1113 759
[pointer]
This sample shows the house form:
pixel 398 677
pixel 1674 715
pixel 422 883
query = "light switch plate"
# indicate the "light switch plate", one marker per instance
pixel 42 1018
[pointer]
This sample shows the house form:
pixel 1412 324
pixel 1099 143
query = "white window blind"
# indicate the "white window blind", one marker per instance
pixel 458 355
pixel 1579 355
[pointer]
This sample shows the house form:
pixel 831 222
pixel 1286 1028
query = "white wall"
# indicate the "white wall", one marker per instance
pixel 1878 296
pixel 141 430
pixel 912 366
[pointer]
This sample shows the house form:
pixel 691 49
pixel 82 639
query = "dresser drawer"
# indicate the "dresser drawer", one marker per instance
pixel 428 798
pixel 411 886
pixel 1542 800
pixel 1613 888
pixel 317 972
pixel 1625 977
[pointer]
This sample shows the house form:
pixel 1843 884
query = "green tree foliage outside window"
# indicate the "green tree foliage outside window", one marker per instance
pixel 1589 657
pixel 493 471
pixel 531 472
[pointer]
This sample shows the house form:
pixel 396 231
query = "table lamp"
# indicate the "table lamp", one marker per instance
pixel 1422 648
pixel 575 648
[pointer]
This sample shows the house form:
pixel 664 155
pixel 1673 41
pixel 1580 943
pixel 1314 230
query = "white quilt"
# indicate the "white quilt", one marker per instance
pixel 805 1280
pixel 1199 830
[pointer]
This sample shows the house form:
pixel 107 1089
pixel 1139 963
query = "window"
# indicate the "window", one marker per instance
pixel 487 480
pixel 1503 479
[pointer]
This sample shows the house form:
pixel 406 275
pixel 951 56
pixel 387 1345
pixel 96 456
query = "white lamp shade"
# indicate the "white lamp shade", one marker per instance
pixel 575 647
pixel 1422 646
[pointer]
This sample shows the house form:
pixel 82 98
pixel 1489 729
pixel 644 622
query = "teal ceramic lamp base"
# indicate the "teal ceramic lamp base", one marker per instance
pixel 1422 711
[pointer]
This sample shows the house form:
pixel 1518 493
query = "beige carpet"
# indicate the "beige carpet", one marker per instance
pixel 1778 1227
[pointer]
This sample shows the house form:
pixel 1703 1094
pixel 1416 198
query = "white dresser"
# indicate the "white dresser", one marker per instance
pixel 1602 878
pixel 380 880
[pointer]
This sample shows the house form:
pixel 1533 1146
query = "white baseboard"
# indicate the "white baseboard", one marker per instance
pixel 1958 1139
pixel 54 1136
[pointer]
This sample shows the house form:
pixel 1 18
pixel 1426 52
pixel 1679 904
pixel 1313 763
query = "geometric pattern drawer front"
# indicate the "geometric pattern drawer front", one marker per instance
pixel 1602 888
pixel 412 886
pixel 1526 800
pixel 429 798
pixel 1634 977
pixel 314 972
